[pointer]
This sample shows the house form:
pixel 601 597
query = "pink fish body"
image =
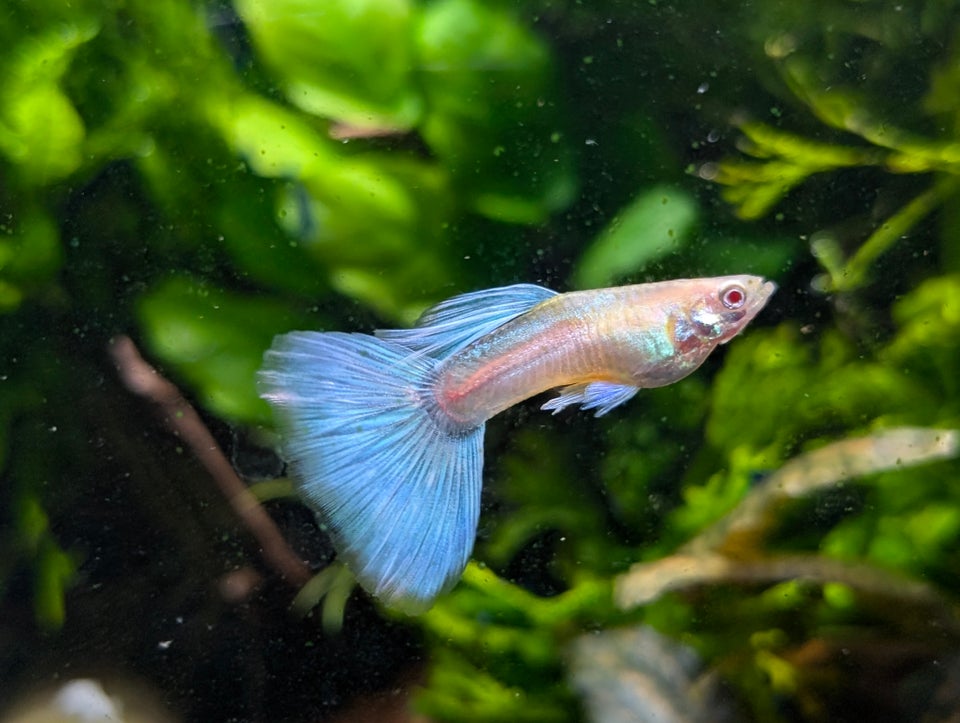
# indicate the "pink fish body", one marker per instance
pixel 384 434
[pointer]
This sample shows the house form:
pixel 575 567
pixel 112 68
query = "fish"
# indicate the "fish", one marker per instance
pixel 383 433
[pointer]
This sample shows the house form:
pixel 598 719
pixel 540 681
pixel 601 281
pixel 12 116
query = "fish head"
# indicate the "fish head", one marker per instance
pixel 719 308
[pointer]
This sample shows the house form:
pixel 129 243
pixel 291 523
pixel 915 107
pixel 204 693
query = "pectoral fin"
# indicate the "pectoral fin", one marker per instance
pixel 602 396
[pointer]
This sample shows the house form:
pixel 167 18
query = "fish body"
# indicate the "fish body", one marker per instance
pixel 640 336
pixel 384 433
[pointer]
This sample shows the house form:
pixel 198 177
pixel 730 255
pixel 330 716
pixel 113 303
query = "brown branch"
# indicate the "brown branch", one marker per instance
pixel 823 469
pixel 649 581
pixel 142 379
pixel 729 550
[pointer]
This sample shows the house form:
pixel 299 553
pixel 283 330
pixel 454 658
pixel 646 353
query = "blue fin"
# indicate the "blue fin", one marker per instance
pixel 399 491
pixel 455 323
pixel 602 396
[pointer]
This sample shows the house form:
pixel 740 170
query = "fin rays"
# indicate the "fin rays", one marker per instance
pixel 399 493
pixel 602 396
pixel 455 323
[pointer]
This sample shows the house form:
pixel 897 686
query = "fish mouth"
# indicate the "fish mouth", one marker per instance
pixel 762 295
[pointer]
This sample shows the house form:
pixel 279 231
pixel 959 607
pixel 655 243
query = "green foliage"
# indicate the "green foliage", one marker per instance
pixel 216 340
pixel 657 223
pixel 31 543
pixel 865 137
pixel 53 569
pixel 460 691
pixel 493 115
pixel 42 134
pixel 325 71
pixel 822 385
pixel 203 176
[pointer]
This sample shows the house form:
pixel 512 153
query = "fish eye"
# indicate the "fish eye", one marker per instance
pixel 733 297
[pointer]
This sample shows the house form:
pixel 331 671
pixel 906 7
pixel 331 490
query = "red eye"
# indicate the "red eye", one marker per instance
pixel 733 297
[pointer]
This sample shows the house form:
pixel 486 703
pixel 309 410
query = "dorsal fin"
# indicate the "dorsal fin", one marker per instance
pixel 455 323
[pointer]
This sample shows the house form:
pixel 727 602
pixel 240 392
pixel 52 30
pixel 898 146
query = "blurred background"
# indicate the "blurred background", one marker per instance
pixel 774 538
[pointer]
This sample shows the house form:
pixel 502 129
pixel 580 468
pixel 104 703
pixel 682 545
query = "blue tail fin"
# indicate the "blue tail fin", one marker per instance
pixel 399 491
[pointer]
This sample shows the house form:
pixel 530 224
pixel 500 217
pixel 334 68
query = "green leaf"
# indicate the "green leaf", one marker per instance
pixel 40 130
pixel 493 111
pixel 32 521
pixel 30 255
pixel 816 387
pixel 717 255
pixel 42 133
pixel 33 252
pixel 216 341
pixel 351 60
pixel 370 225
pixel 459 690
pixel 278 143
pixel 927 343
pixel 658 223
pixel 54 571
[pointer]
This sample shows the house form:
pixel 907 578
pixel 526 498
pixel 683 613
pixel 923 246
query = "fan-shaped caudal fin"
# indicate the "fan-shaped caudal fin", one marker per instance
pixel 399 489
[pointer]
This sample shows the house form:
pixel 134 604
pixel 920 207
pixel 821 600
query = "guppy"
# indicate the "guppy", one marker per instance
pixel 384 434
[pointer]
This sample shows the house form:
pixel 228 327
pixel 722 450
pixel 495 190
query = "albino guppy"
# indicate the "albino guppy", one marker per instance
pixel 384 434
